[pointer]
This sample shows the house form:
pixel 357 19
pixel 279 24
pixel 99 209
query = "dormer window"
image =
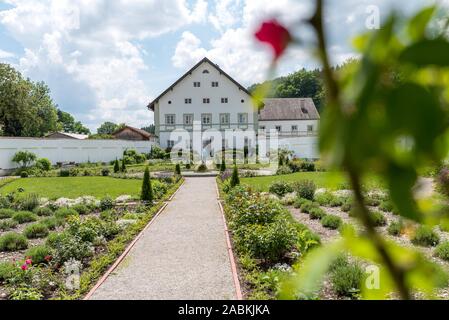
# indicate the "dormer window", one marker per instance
pixel 197 84
pixel 206 71
pixel 215 84
pixel 304 110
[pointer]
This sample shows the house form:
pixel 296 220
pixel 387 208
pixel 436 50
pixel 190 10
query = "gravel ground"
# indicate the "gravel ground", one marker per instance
pixel 182 256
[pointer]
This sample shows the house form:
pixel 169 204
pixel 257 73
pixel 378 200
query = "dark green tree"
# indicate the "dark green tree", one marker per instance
pixel 147 190
pixel 178 169
pixel 235 180
pixel 223 165
pixel 116 166
pixel 107 128
pixel 123 169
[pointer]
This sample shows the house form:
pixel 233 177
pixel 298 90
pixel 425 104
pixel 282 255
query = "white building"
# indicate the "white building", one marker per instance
pixel 210 97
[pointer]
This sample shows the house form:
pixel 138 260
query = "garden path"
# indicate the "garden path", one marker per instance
pixel 182 256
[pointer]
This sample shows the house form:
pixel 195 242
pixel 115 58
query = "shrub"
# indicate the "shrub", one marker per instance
pixel 269 242
pixel 64 173
pixel 202 168
pixel 331 222
pixel 51 223
pixel 43 212
pixel 13 242
pixel 386 206
pixel 116 166
pixel 425 236
pixel 6 213
pixel 378 219
pixel 307 166
pixel 395 228
pixel 317 213
pixel 28 202
pixel 6 225
pixel 24 174
pixel 223 166
pixel 106 203
pixel 299 202
pixel 123 168
pixel 24 217
pixel 347 206
pixel 7 271
pixel 442 251
pixel 81 209
pixel 308 206
pixel 24 158
pixel 327 199
pixel 39 254
pixel 43 164
pixel 105 172
pixel 67 247
pixel 147 189
pixel 74 172
pixel 284 170
pixel 64 213
pixel 280 188
pixel 36 231
pixel 346 277
pixel 235 180
pixel 305 189
pixel 178 169
pixel 257 210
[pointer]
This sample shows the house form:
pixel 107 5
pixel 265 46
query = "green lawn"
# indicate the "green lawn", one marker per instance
pixel 74 187
pixel 328 180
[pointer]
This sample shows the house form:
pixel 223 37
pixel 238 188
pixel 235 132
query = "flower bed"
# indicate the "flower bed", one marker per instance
pixel 59 253
pixel 266 239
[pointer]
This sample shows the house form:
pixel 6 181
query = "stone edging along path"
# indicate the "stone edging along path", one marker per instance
pixel 181 255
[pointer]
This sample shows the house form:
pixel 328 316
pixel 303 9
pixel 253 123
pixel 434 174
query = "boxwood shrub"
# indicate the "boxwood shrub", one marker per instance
pixel 6 213
pixel 24 217
pixel 36 231
pixel 39 254
pixel 331 222
pixel 13 242
pixel 425 236
pixel 442 251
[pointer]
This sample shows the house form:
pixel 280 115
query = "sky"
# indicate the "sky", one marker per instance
pixel 105 60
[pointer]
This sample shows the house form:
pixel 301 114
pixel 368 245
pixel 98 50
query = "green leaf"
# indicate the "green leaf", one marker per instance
pixel 427 53
pixel 418 24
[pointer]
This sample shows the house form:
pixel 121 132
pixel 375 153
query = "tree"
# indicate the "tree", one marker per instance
pixel 107 128
pixel 150 129
pixel 25 158
pixel 26 108
pixel 235 180
pixel 147 190
pixel 123 169
pixel 116 166
pixel 178 169
pixel 67 123
pixel 223 165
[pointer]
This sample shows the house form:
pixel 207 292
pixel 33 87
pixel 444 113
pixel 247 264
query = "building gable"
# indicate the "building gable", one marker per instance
pixel 206 63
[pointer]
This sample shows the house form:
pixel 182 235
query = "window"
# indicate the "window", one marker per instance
pixel 278 128
pixel 170 119
pixel 169 102
pixel 310 128
pixel 243 101
pixel 206 119
pixel 262 128
pixel 197 84
pixel 225 119
pixel 170 144
pixel 206 100
pixel 214 84
pixel 243 118
pixel 206 71
pixel 224 100
pixel 295 128
pixel 188 119
pixel 188 101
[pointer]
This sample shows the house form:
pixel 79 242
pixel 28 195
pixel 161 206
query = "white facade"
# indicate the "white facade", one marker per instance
pixel 205 95
pixel 68 150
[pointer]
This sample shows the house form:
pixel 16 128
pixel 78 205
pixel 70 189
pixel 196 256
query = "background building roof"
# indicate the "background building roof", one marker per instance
pixel 289 109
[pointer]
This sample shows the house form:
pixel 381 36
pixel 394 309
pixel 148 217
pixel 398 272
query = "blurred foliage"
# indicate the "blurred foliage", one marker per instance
pixel 387 114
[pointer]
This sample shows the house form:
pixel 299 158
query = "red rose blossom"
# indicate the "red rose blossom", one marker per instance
pixel 276 35
pixel 24 267
pixel 28 261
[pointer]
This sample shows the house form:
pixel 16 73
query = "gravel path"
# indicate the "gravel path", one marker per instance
pixel 182 256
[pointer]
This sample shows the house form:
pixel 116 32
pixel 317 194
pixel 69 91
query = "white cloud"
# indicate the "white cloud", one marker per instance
pixel 95 46
pixel 236 50
pixel 6 55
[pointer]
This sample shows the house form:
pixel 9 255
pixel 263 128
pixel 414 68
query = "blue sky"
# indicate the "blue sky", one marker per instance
pixel 105 60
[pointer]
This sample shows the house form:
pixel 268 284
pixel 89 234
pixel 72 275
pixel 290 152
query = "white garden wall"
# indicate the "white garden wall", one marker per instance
pixel 68 150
